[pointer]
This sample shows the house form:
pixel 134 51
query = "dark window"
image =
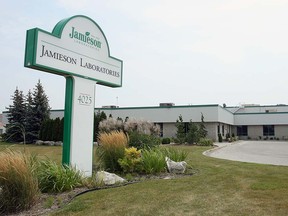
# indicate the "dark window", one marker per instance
pixel 268 130
pixel 222 130
pixel 242 130
pixel 161 128
pixel 186 127
pixel 218 129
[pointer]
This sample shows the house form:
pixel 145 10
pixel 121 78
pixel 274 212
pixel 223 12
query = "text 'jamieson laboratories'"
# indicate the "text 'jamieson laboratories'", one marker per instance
pixel 70 60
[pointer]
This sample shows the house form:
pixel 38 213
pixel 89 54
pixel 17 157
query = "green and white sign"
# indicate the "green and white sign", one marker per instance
pixel 78 50
pixel 78 47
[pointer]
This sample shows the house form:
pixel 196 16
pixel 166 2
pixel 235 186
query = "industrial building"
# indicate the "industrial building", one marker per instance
pixel 248 121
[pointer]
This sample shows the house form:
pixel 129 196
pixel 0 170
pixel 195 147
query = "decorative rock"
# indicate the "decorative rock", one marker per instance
pixel 175 167
pixel 58 143
pixel 39 142
pixel 49 143
pixel 108 178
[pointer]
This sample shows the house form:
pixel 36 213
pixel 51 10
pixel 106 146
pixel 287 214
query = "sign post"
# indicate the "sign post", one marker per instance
pixel 78 50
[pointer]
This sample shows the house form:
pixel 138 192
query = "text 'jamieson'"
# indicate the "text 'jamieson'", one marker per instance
pixel 85 38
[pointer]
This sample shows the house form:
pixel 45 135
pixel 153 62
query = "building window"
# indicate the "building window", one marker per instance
pixel 218 129
pixel 161 129
pixel 186 127
pixel 222 130
pixel 268 130
pixel 242 130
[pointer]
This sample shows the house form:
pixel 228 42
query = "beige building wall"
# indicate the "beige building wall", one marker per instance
pixel 281 132
pixel 254 131
pixel 212 131
pixel 169 130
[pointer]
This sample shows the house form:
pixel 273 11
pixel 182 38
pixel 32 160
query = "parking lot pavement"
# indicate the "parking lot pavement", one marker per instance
pixel 264 152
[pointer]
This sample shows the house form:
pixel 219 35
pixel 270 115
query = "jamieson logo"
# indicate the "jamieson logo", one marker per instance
pixel 85 38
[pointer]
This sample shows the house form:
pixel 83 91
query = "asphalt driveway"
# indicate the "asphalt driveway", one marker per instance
pixel 264 152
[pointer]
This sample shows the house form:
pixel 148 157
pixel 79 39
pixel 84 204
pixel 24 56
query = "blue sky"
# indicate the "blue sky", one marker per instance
pixel 185 51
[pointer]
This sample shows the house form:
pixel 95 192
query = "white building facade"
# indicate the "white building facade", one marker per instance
pixel 246 122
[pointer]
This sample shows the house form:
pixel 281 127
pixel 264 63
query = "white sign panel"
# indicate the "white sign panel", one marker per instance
pixel 77 46
pixel 81 145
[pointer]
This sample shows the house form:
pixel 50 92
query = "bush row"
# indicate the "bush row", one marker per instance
pixel 116 156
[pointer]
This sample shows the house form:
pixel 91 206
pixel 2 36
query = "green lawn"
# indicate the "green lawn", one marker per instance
pixel 219 187
pixel 52 152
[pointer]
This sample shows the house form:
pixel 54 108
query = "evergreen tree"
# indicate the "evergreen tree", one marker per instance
pixel 61 130
pixel 97 119
pixel 180 134
pixel 16 118
pixel 193 134
pixel 40 109
pixel 29 118
pixel 43 130
pixel 57 127
pixel 202 129
pixel 52 130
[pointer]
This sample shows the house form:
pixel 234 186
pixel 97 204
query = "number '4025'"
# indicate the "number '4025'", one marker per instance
pixel 85 99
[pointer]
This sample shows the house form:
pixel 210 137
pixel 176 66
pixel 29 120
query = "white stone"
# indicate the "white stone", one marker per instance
pixel 58 143
pixel 39 142
pixel 108 178
pixel 175 167
pixel 49 143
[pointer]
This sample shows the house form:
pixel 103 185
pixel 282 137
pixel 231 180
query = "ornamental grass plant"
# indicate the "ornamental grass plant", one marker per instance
pixel 112 148
pixel 54 177
pixel 18 184
pixel 205 142
pixel 153 161
pixel 175 154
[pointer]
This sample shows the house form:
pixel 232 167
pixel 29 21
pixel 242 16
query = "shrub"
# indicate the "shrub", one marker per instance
pixel 19 186
pixel 112 148
pixel 180 134
pixel 166 141
pixel 131 125
pixel 131 161
pixel 153 161
pixel 205 142
pixel 141 126
pixel 53 177
pixel 220 139
pixel 175 154
pixel 227 138
pixel 110 124
pixel 193 135
pixel 141 141
pixel 176 140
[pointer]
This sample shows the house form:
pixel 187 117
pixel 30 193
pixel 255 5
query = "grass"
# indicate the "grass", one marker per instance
pixel 153 161
pixel 19 187
pixel 219 187
pixel 113 148
pixel 57 178
pixel 43 152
